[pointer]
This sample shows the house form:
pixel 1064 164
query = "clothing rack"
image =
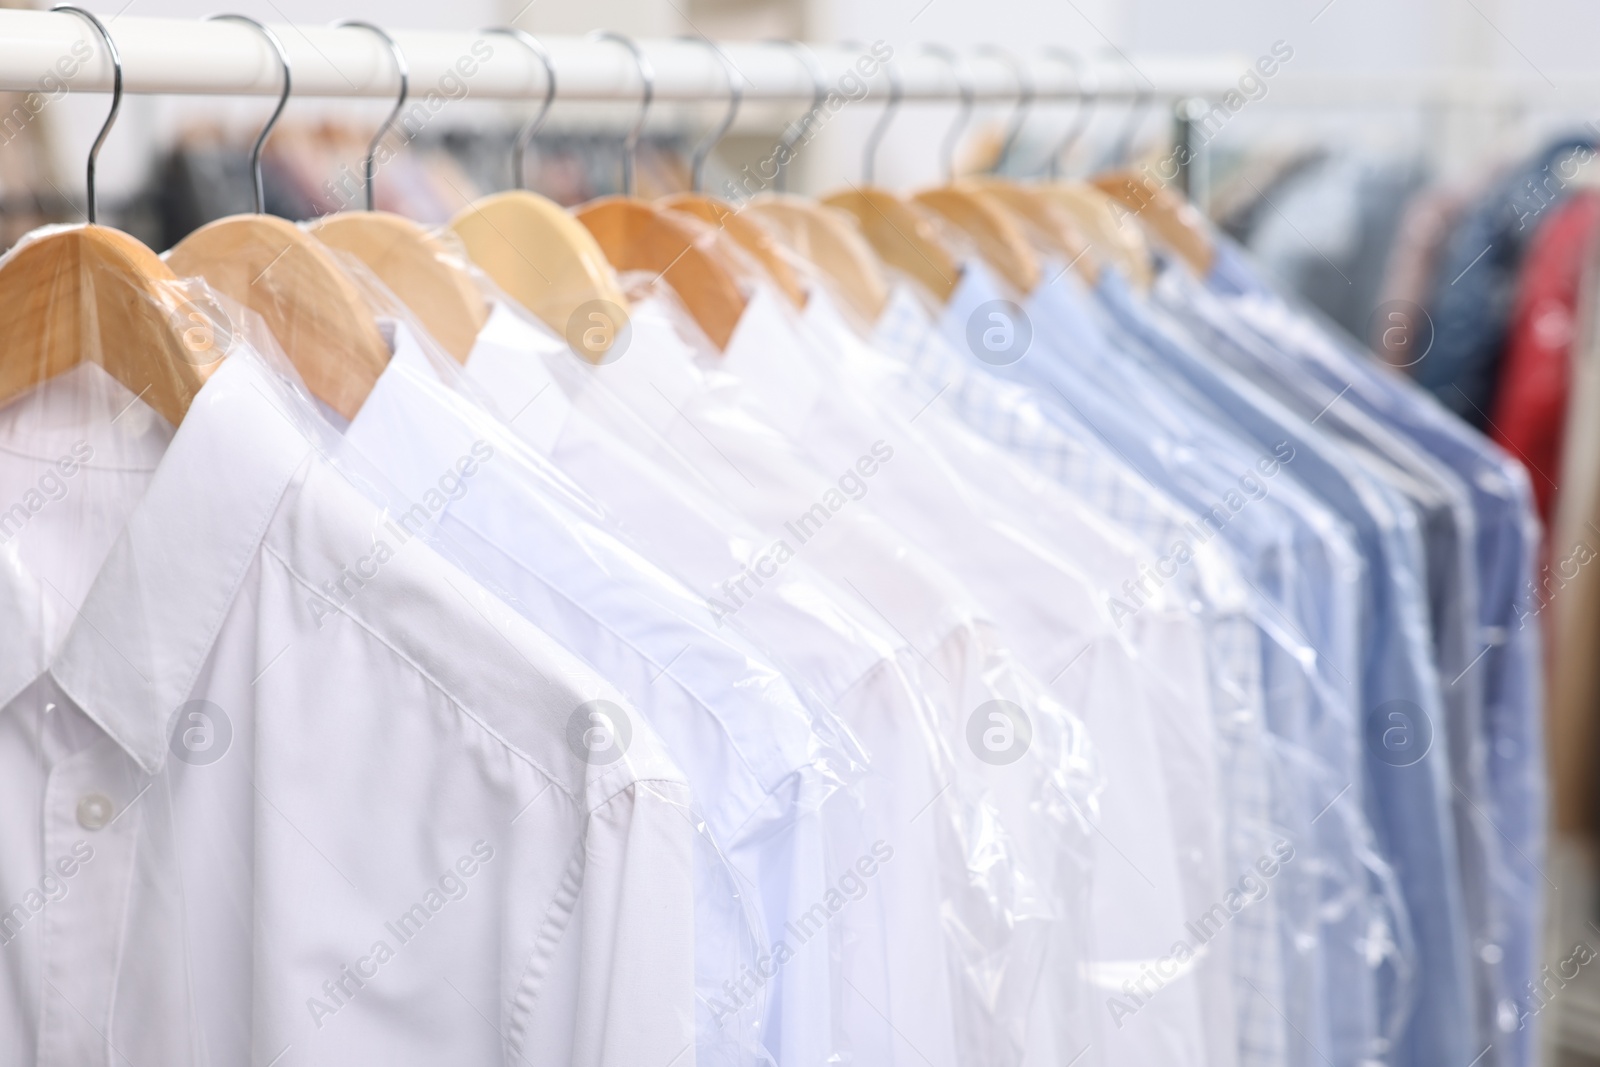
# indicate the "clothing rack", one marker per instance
pixel 219 58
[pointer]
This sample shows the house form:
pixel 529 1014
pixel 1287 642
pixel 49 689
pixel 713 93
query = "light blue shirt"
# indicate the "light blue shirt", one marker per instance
pixel 1506 648
pixel 1289 560
pixel 1410 802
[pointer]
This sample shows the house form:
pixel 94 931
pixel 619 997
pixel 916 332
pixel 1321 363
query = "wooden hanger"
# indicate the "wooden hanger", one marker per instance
pixel 530 246
pixel 678 247
pixel 749 235
pixel 313 310
pixel 1107 225
pixel 756 241
pixel 828 240
pixel 1051 228
pixel 635 235
pixel 996 237
pixel 1173 221
pixel 94 294
pixel 903 236
pixel 412 263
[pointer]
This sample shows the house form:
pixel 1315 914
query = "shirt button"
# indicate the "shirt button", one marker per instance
pixel 94 811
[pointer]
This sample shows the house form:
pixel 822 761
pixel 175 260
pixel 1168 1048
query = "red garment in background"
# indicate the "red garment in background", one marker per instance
pixel 1529 417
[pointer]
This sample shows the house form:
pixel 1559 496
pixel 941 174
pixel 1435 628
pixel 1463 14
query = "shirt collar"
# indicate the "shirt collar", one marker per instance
pixel 507 364
pixel 151 615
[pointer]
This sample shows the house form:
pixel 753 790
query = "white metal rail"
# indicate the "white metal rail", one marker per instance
pixel 39 48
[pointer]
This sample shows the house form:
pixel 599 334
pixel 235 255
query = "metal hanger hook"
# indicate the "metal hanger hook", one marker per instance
pixel 869 151
pixel 792 134
pixel 283 100
pixel 1122 149
pixel 647 75
pixel 519 147
pixel 1019 112
pixel 702 151
pixel 116 98
pixel 963 77
pixel 1088 99
pixel 369 167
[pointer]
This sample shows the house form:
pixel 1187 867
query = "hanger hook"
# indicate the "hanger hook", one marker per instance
pixel 1088 99
pixel 869 151
pixel 795 130
pixel 647 74
pixel 963 78
pixel 369 167
pixel 116 97
pixel 1122 149
pixel 519 147
pixel 283 100
pixel 702 151
pixel 1019 112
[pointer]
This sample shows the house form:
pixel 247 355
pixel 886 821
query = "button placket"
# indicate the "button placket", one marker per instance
pixel 89 835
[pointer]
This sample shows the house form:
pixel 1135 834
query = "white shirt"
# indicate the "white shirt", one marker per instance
pixel 831 519
pixel 917 976
pixel 244 822
pixel 759 772
pixel 1025 560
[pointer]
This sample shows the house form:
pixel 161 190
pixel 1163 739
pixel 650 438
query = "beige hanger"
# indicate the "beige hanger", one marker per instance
pixel 1050 226
pixel 1173 221
pixel 748 234
pixel 677 247
pixel 280 272
pixel 998 239
pixel 532 247
pixel 636 235
pixel 92 293
pixel 1107 225
pixel 827 239
pixel 412 263
pixel 903 236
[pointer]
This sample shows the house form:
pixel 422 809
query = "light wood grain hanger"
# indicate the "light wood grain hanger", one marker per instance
pixel 636 235
pixel 95 294
pixel 1170 218
pixel 282 273
pixel 1047 225
pixel 903 235
pixel 754 239
pixel 1108 226
pixel 532 247
pixel 821 236
pixel 413 263
pixel 828 240
pixel 996 237
pixel 748 234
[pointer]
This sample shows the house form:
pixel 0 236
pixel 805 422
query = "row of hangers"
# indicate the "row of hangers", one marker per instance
pixel 94 293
